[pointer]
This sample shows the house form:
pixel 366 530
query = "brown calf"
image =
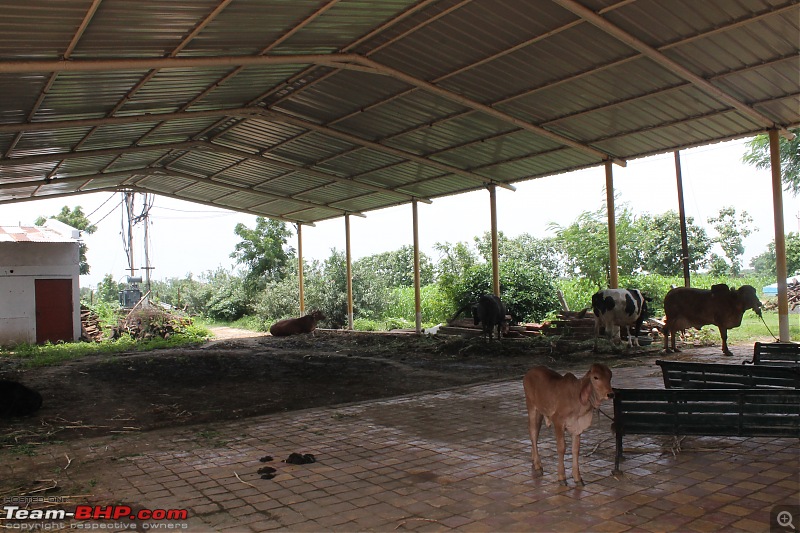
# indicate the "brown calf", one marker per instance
pixel 567 402
pixel 296 326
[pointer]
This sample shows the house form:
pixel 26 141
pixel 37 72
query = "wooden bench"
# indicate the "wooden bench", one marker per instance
pixel 683 375
pixel 707 412
pixel 776 354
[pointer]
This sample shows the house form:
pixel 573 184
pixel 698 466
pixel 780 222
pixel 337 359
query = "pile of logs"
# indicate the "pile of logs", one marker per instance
pixel 90 326
pixel 793 292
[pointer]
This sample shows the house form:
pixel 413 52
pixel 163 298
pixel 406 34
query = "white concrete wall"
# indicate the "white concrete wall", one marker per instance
pixel 21 263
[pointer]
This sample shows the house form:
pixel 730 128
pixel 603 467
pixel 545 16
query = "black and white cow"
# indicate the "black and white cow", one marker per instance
pixel 616 308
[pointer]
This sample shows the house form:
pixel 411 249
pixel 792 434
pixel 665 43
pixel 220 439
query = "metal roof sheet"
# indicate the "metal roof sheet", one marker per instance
pixel 311 109
pixel 41 234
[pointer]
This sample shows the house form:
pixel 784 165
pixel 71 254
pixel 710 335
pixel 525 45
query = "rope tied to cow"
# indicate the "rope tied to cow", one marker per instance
pixel 766 326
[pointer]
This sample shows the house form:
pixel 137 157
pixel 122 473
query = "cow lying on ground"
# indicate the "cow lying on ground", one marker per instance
pixel 617 308
pixel 296 326
pixel 721 306
pixel 490 312
pixel 567 402
pixel 18 400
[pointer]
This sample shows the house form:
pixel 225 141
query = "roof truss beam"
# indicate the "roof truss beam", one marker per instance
pixel 200 145
pixel 667 63
pixel 344 61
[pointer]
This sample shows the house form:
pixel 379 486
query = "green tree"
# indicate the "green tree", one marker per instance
pixel 397 267
pixel 527 290
pixel 526 248
pixel 371 293
pixel 77 220
pixel 222 295
pixel 765 263
pixel 731 232
pixel 454 261
pixel 661 243
pixel 758 154
pixel 108 289
pixel 263 250
pixel 584 244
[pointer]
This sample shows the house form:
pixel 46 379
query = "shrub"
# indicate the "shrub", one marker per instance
pixel 527 290
pixel 436 308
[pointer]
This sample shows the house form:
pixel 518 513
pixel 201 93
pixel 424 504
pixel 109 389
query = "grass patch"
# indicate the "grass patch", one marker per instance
pixel 753 329
pixel 33 355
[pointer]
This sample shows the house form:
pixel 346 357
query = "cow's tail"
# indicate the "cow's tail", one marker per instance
pixel 463 308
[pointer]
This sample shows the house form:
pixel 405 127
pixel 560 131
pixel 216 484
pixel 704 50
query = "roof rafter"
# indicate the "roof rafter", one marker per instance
pixel 250 190
pixel 671 65
pixel 193 145
pixel 280 117
pixel 241 112
pixel 345 61
pixel 137 188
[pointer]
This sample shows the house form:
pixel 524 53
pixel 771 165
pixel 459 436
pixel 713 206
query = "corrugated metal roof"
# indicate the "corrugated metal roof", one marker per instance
pixel 312 109
pixel 32 234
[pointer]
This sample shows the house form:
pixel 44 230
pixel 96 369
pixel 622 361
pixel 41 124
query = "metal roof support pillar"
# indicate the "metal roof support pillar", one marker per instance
pixel 495 247
pixel 682 214
pixel 613 281
pixel 780 237
pixel 349 272
pixel 417 297
pixel 300 267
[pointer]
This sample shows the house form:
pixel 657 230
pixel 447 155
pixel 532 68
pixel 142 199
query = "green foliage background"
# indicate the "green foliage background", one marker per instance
pixel 532 270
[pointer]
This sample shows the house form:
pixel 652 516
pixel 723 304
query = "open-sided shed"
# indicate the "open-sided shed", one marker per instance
pixel 314 109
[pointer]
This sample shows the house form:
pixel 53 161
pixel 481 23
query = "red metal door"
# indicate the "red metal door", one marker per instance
pixel 53 310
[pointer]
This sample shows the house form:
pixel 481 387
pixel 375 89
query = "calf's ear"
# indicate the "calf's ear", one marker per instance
pixel 586 392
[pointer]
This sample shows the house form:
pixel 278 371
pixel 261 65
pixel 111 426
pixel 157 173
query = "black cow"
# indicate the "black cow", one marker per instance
pixel 490 311
pixel 18 400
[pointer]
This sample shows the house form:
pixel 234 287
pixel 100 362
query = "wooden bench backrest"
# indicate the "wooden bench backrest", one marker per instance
pixel 687 375
pixel 776 353
pixel 719 412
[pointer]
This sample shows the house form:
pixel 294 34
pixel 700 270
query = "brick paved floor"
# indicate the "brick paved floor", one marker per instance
pixel 450 460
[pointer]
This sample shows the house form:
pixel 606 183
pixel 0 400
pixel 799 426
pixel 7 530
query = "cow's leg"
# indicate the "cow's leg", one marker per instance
pixel 561 448
pixel 596 331
pixel 724 334
pixel 576 452
pixel 615 334
pixel 534 425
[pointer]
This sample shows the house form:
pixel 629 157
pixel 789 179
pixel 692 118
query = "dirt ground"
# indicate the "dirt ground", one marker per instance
pixel 241 374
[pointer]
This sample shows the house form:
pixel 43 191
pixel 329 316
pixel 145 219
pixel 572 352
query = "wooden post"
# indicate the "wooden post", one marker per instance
pixel 612 227
pixel 682 214
pixel 300 267
pixel 349 273
pixel 417 296
pixel 780 237
pixel 495 248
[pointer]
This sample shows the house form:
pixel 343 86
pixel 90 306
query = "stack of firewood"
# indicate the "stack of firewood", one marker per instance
pixel 793 292
pixel 90 326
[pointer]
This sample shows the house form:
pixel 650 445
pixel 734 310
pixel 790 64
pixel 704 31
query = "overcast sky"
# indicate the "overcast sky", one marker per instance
pixel 192 238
